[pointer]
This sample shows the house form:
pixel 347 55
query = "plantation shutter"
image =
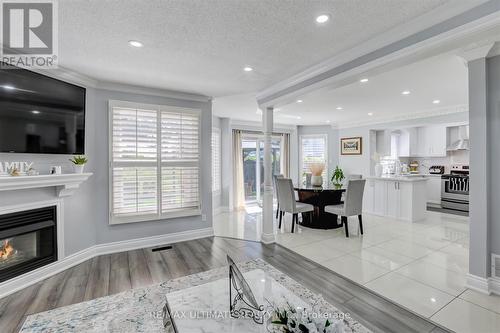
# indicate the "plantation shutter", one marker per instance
pixel 313 150
pixel 216 160
pixel 134 160
pixel 180 159
pixel 154 162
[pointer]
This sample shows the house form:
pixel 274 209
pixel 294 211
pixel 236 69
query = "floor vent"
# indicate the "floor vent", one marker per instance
pixel 162 248
pixel 495 265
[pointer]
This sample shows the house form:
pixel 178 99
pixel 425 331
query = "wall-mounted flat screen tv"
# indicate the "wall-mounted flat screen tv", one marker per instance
pixel 39 114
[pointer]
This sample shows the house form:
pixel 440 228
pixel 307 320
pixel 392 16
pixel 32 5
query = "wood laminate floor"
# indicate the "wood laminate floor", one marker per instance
pixel 114 273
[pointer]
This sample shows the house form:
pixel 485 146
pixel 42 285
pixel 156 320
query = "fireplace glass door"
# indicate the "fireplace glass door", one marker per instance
pixel 27 241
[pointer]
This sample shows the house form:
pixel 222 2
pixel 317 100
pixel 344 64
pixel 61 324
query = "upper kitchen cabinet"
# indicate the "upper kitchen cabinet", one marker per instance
pixel 431 141
pixel 408 142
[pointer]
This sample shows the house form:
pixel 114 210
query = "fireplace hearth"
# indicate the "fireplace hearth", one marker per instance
pixel 28 240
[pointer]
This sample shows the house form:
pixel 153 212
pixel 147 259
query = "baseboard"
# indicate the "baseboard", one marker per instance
pixel 478 283
pixel 30 278
pixel 494 285
pixel 140 243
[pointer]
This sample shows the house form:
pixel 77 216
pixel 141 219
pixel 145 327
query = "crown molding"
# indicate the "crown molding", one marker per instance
pixel 409 116
pixel 73 77
pixel 430 32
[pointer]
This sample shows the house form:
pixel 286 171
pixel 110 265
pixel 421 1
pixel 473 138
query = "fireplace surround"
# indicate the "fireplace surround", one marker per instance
pixel 28 240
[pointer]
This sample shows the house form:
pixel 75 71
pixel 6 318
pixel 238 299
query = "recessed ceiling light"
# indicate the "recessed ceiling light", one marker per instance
pixel 135 43
pixel 328 121
pixel 299 101
pixel 299 117
pixel 322 18
pixel 35 111
pixel 8 87
pixel 363 80
pixel 370 114
pixel 436 101
pixel 339 108
pixel 248 69
pixel 406 92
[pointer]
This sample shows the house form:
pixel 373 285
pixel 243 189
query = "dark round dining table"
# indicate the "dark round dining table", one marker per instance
pixel 319 197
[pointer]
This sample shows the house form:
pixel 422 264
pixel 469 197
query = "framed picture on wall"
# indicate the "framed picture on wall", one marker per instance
pixel 351 146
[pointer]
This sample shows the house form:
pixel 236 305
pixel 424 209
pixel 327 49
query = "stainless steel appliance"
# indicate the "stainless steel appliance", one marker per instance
pixel 455 188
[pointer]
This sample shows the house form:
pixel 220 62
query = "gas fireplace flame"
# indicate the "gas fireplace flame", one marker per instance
pixel 6 250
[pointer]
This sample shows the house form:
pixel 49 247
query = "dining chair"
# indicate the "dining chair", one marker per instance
pixel 276 193
pixel 353 204
pixel 286 197
pixel 346 182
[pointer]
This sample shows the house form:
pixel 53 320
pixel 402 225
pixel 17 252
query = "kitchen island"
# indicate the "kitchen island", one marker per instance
pixel 399 197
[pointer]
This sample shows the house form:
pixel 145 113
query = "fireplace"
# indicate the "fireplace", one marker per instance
pixel 28 240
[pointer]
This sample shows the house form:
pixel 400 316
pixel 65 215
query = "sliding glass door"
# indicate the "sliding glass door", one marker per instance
pixel 253 164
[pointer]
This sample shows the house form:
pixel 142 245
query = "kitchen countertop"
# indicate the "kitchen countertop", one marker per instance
pixel 402 178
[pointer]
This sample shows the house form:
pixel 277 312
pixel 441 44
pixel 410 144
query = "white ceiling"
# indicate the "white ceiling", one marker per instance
pixel 443 77
pixel 201 46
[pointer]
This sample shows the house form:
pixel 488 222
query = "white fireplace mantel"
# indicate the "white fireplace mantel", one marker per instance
pixel 65 184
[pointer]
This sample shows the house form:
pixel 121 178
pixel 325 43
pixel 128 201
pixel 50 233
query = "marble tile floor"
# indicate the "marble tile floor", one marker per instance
pixel 421 266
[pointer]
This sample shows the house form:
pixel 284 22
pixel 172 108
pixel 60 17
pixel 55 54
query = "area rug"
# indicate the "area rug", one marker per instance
pixel 199 302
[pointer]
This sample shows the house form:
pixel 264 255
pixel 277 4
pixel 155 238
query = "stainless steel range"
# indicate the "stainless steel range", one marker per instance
pixel 455 188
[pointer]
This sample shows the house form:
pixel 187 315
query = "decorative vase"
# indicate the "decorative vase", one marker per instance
pixel 78 168
pixel 317 180
pixel 378 170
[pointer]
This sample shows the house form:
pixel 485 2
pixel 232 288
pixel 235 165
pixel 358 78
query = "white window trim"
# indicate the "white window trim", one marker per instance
pixel 219 190
pixel 301 160
pixel 158 216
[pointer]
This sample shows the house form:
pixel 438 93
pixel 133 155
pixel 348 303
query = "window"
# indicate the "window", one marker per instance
pixel 313 149
pixel 216 160
pixel 154 162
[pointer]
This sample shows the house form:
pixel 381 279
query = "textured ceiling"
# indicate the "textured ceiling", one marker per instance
pixel 201 46
pixel 442 77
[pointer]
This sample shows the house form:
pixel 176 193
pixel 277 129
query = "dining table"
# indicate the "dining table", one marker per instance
pixel 319 197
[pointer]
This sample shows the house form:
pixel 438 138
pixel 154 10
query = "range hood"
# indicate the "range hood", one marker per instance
pixel 463 140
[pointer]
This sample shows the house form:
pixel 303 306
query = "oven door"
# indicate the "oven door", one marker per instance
pixel 455 193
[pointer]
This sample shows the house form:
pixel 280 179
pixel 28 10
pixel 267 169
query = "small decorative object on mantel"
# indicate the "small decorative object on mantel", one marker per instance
pixel 244 304
pixel 317 171
pixel 338 177
pixel 289 319
pixel 15 168
pixel 79 162
pixel 55 170
pixel 351 146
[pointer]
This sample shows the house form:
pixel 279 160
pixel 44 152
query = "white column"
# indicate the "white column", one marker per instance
pixel 479 251
pixel 267 199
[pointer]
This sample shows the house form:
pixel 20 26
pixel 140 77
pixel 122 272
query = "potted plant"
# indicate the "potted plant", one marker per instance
pixel 317 171
pixel 338 177
pixel 79 162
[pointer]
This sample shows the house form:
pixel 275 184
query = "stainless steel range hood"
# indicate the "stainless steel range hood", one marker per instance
pixel 463 140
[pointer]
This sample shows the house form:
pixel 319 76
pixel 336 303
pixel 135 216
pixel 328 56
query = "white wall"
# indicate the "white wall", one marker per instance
pixel 86 212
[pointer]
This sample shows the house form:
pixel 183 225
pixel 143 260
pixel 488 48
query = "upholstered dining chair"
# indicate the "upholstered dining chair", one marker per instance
pixel 286 197
pixel 346 182
pixel 353 204
pixel 276 193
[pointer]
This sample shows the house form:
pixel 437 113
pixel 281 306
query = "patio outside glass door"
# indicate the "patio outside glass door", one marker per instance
pixel 253 165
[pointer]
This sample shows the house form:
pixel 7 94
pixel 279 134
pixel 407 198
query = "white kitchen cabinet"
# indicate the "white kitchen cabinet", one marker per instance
pixel 403 199
pixel 432 141
pixel 433 187
pixel 408 143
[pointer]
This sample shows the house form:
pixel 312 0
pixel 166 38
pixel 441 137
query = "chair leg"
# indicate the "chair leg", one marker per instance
pixel 294 217
pixel 344 221
pixel 277 210
pixel 281 216
pixel 360 218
